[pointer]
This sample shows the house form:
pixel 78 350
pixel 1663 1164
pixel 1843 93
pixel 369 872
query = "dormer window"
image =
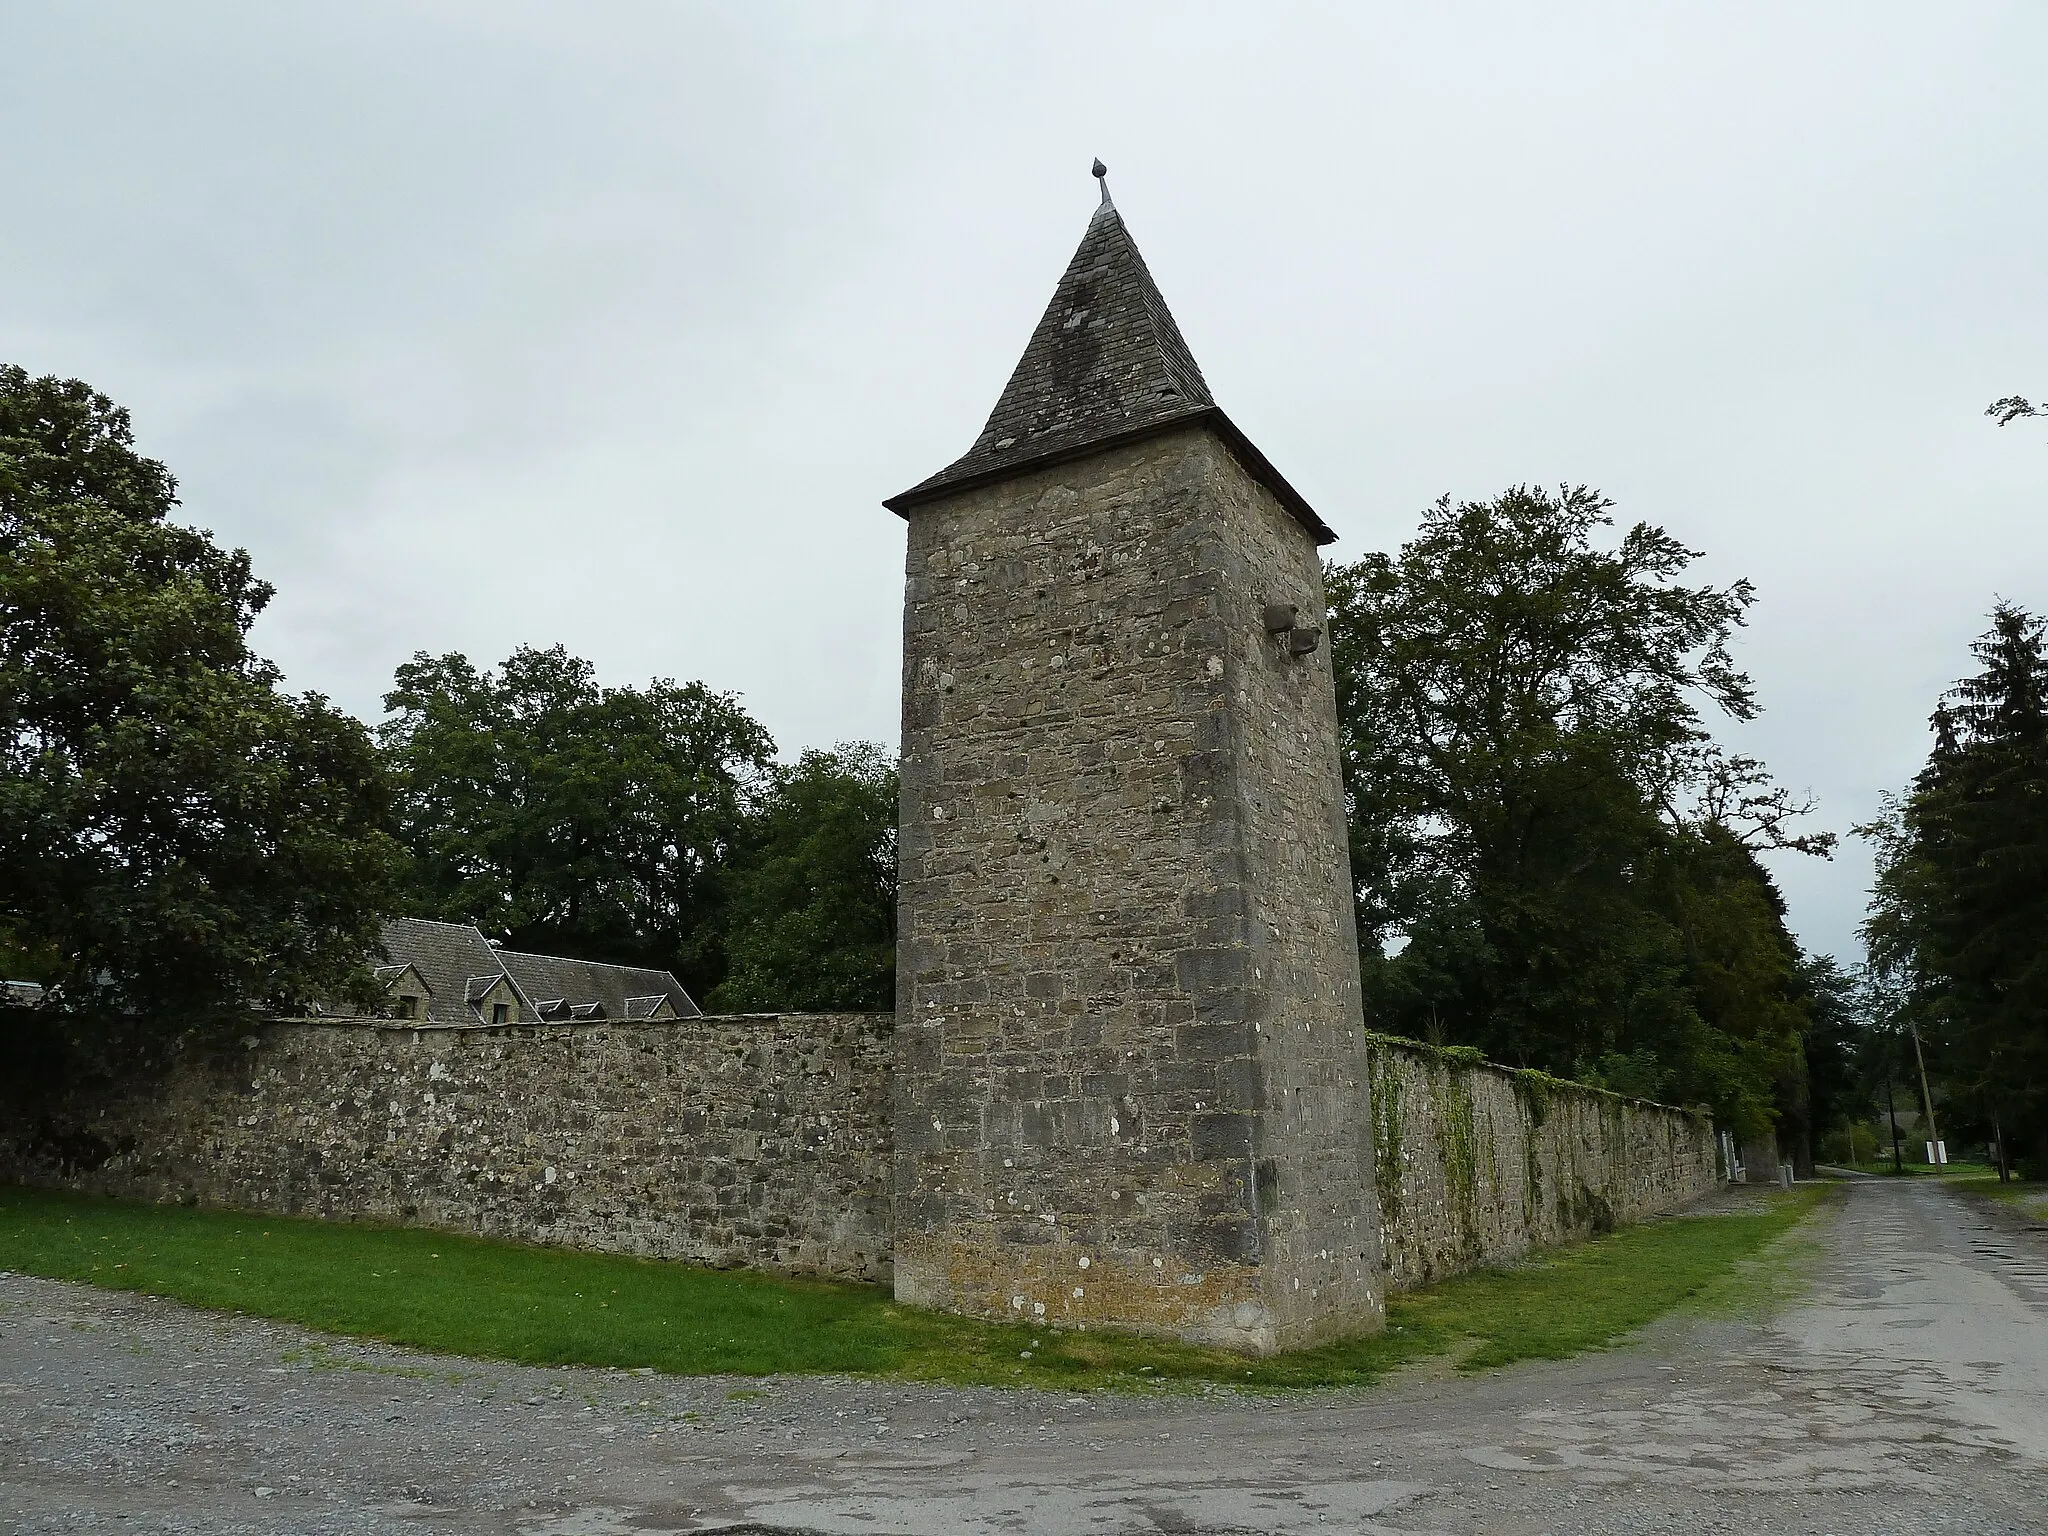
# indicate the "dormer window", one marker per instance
pixel 495 994
pixel 406 992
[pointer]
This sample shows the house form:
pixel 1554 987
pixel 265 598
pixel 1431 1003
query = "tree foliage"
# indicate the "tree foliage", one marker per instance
pixel 811 924
pixel 566 817
pixel 1841 1085
pixel 181 839
pixel 1960 903
pixel 1554 860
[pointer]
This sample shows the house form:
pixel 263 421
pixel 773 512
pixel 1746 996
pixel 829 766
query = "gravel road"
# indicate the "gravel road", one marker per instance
pixel 1906 1391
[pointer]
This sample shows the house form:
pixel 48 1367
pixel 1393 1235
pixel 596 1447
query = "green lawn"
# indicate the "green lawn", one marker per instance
pixel 1913 1166
pixel 546 1306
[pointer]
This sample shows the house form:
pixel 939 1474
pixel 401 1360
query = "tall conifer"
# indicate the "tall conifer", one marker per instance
pixel 1960 911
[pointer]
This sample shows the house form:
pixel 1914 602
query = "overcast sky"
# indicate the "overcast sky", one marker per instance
pixel 482 325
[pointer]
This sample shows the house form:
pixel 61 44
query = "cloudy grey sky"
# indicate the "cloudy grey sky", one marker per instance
pixel 610 324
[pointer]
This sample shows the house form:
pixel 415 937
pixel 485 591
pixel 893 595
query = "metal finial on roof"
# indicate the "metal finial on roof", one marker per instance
pixel 1101 173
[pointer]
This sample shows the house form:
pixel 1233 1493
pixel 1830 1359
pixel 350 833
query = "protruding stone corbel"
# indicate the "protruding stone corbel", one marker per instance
pixel 1282 621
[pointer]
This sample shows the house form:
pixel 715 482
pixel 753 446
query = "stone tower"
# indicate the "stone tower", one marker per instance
pixel 1131 1088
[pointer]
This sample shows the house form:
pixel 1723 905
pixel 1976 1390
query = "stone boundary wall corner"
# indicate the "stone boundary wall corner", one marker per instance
pixel 765 1141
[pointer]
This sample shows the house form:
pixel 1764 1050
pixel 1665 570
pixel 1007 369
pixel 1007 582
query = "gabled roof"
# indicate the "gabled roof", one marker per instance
pixel 1106 365
pixel 393 975
pixel 461 968
pixel 481 987
pixel 446 956
pixel 579 983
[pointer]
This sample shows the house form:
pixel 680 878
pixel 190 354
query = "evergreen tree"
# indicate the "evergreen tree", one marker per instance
pixel 1744 978
pixel 1840 1095
pixel 1960 904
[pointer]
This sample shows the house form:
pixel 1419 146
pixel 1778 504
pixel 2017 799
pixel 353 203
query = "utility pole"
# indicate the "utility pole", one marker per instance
pixel 1891 1115
pixel 1926 1098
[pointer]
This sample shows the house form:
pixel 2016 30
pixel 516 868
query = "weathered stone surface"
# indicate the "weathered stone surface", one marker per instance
pixel 759 1140
pixel 1477 1164
pixel 766 1142
pixel 1133 1061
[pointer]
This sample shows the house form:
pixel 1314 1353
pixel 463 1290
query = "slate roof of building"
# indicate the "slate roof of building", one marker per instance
pixel 1106 365
pixel 624 991
pixel 459 966
pixel 448 956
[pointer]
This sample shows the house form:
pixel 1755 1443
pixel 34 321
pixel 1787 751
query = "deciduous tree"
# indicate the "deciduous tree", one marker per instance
pixel 812 920
pixel 1554 860
pixel 180 840
pixel 562 816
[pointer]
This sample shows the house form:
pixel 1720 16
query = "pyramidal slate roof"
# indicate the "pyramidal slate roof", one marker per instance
pixel 1106 365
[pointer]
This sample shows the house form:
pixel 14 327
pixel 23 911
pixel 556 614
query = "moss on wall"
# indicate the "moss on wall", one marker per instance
pixel 1450 1127
pixel 1458 1136
pixel 1387 1143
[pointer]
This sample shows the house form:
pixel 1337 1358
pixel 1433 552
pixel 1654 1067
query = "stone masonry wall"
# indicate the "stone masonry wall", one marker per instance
pixel 765 1142
pixel 1477 1164
pixel 1127 973
pixel 759 1141
pixel 1319 1226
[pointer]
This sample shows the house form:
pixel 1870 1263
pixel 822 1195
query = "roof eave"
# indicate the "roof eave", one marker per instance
pixel 1242 448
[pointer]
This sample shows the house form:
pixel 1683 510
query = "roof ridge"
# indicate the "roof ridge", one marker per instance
pixel 1183 368
pixel 611 965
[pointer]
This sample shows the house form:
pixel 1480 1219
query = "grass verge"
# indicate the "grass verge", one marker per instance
pixel 546 1306
pixel 2029 1196
pixel 1914 1168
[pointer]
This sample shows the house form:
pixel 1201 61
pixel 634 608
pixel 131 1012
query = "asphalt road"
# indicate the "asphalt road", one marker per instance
pixel 1905 1390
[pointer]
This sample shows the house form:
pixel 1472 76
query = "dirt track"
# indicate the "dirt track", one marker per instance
pixel 1906 1392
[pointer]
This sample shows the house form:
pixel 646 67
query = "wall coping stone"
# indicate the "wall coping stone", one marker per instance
pixel 442 1026
pixel 1470 1056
